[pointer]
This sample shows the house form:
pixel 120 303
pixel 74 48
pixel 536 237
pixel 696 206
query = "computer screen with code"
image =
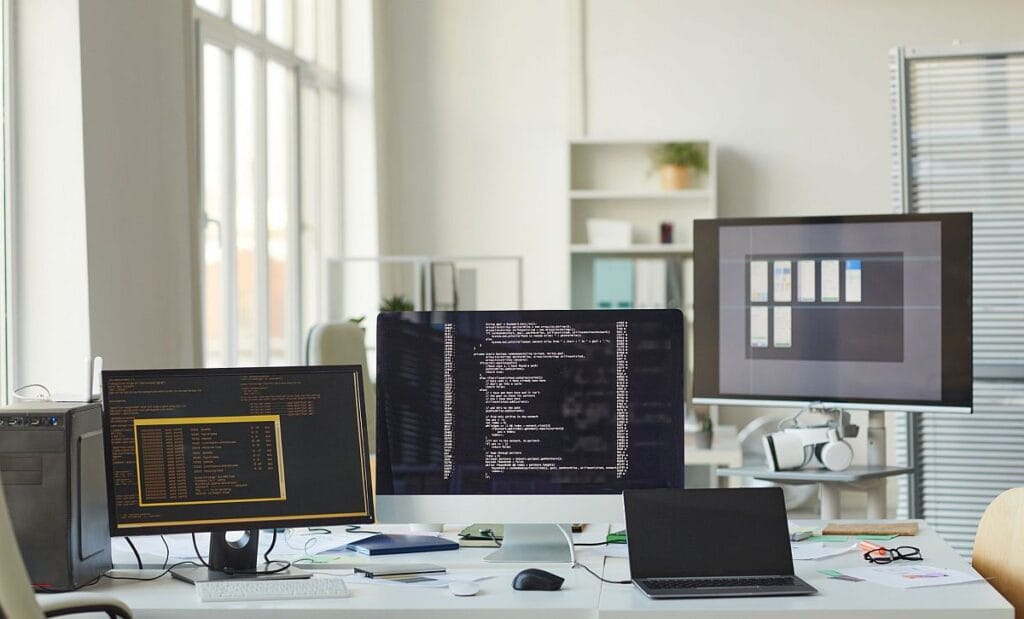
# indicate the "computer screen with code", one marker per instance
pixel 211 449
pixel 529 402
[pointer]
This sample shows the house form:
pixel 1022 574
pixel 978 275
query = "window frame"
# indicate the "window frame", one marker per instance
pixel 228 37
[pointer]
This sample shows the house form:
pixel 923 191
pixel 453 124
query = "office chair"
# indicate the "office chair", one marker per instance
pixel 999 547
pixel 344 343
pixel 17 599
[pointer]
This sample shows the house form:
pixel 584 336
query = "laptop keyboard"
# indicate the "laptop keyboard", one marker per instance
pixel 705 583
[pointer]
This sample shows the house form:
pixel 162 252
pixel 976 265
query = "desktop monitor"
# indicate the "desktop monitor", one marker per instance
pixel 857 312
pixel 227 449
pixel 526 417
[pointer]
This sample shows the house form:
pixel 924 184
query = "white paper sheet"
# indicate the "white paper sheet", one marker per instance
pixel 783 281
pixel 759 327
pixel 830 281
pixel 853 274
pixel 809 551
pixel 908 576
pixel 806 291
pixel 782 323
pixel 758 281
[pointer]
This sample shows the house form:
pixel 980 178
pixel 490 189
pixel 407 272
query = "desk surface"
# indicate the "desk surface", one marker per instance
pixel 583 596
pixel 848 475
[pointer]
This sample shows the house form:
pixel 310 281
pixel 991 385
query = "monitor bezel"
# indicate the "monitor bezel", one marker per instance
pixel 957 303
pixel 117 529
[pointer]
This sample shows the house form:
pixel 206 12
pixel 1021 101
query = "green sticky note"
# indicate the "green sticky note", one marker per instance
pixel 828 538
pixel 830 573
pixel 876 538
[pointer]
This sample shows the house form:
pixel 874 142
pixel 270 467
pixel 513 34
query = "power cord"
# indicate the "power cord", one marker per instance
pixel 231 571
pixel 165 572
pixel 135 551
pixel 490 534
pixel 355 528
pixel 595 575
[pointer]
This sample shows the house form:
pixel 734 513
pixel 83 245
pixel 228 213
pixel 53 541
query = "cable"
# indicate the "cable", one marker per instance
pixel 320 530
pixel 494 538
pixel 355 528
pixel 604 543
pixel 273 542
pixel 135 551
pixel 167 553
pixel 232 571
pixel 45 398
pixel 595 575
pixel 165 572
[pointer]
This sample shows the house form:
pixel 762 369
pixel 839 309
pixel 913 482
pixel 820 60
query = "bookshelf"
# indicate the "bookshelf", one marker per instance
pixel 613 180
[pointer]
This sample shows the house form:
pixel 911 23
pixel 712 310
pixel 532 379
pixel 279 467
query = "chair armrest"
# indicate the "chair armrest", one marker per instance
pixel 59 604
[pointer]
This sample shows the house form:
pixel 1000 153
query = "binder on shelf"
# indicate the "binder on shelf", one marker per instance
pixel 651 283
pixel 613 283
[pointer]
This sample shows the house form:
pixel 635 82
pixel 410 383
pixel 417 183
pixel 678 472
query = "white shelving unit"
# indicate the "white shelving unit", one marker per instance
pixel 614 179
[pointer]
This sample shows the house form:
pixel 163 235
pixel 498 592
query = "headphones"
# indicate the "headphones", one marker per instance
pixel 795 447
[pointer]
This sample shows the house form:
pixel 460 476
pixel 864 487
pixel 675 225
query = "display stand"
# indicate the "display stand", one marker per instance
pixel 870 478
pixel 234 559
pixel 535 543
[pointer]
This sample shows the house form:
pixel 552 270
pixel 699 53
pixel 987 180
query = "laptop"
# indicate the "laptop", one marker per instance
pixel 716 542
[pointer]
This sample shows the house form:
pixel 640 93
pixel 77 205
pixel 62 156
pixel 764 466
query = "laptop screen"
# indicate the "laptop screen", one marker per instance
pixel 707 532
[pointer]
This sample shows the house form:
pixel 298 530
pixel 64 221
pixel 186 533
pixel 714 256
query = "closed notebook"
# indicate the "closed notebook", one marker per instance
pixel 388 544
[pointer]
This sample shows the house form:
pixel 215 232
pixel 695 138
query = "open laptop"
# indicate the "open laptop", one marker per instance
pixel 724 542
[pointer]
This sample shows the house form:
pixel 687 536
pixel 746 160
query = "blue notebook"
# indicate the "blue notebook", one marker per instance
pixel 386 544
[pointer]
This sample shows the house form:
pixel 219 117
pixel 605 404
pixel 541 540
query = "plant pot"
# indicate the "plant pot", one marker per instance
pixel 675 177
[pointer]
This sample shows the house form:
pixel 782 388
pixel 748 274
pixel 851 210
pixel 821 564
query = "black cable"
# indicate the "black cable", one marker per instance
pixel 355 528
pixel 167 552
pixel 595 575
pixel 231 571
pixel 604 543
pixel 320 530
pixel 148 578
pixel 273 542
pixel 494 538
pixel 138 559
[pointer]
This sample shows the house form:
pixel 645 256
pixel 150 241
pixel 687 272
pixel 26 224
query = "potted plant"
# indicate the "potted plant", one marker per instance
pixel 675 160
pixel 396 303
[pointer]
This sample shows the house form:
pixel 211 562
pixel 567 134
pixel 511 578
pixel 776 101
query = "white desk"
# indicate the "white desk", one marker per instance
pixel 837 599
pixel 582 596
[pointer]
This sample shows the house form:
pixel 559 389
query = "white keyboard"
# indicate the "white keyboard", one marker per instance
pixel 244 590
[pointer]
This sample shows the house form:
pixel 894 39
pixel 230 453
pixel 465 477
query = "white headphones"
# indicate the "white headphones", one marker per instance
pixel 795 447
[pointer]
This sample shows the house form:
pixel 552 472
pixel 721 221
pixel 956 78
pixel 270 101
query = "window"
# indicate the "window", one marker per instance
pixel 5 92
pixel 269 92
pixel 958 132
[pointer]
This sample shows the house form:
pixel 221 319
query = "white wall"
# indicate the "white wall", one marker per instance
pixel 104 207
pixel 139 142
pixel 795 92
pixel 50 289
pixel 474 116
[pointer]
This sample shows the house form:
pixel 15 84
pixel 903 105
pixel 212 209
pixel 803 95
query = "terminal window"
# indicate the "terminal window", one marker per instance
pixel 194 447
pixel 529 402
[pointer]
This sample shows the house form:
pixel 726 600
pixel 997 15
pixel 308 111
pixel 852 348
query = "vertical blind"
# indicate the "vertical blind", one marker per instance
pixel 958 145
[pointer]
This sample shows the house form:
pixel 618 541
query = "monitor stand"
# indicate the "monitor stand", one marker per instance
pixel 535 543
pixel 234 560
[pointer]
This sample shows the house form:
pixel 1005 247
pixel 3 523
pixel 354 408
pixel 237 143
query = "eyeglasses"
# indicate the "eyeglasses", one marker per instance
pixel 881 556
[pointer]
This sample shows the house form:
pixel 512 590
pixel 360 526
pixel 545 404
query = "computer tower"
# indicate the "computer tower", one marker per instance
pixel 51 463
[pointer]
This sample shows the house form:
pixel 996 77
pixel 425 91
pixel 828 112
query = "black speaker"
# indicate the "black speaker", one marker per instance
pixel 51 463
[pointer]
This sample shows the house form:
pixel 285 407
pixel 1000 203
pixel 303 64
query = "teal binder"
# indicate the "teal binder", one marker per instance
pixel 613 283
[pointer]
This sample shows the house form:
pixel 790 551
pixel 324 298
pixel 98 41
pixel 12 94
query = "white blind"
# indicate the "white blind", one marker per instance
pixel 958 145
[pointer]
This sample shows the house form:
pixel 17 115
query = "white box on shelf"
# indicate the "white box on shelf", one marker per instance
pixel 609 232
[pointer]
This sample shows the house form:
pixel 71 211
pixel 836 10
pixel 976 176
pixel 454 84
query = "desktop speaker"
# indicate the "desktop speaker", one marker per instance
pixel 51 463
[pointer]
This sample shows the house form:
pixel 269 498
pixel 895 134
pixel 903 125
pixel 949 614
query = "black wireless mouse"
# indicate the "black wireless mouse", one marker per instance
pixel 533 579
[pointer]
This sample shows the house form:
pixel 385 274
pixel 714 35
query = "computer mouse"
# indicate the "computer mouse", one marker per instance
pixel 533 579
pixel 463 587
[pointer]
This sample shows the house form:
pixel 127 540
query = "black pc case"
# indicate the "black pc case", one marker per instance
pixel 52 466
